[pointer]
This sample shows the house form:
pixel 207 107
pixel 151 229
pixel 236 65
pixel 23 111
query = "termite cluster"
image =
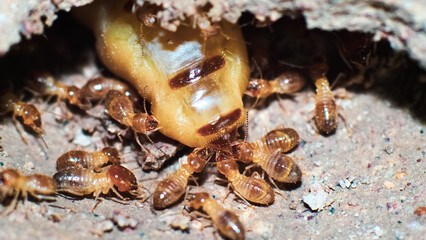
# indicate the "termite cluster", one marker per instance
pixel 194 81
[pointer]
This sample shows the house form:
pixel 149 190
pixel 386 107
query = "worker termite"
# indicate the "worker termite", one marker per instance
pixel 15 184
pixel 287 82
pixel 120 108
pixel 89 160
pixel 97 88
pixel 206 87
pixel 30 115
pixel 268 153
pixel 248 188
pixel 82 181
pixel 43 83
pixel 325 106
pixel 223 219
pixel 170 189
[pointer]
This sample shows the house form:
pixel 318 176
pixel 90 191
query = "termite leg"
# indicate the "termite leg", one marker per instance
pixel 21 133
pixel 241 197
pixel 248 168
pixel 346 124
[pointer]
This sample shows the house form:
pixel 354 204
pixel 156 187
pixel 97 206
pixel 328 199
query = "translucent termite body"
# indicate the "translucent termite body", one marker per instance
pixel 12 183
pixel 194 92
pixel 45 84
pixel 120 108
pixel 252 189
pixel 170 189
pixel 30 115
pixel 286 83
pixel 82 181
pixel 325 105
pixel 268 153
pixel 89 160
pixel 224 220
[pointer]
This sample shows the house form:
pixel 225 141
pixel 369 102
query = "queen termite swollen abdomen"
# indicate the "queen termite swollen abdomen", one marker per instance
pixel 194 93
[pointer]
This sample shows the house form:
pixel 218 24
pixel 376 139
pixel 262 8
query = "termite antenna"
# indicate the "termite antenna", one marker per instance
pixel 42 139
pixel 144 98
pixel 246 128
pixel 292 65
pixel 261 77
pixel 159 149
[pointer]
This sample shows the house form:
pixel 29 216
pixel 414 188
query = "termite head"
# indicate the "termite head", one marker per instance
pixel 112 154
pixel 242 151
pixel 144 123
pixel 8 179
pixel 147 14
pixel 123 178
pixel 32 118
pixel 197 200
pixel 196 161
pixel 226 165
pixel 255 88
pixel 75 98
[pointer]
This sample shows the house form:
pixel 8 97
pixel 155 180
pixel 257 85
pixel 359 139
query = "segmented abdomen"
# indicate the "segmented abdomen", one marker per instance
pixel 75 158
pixel 169 190
pixel 80 181
pixel 230 226
pixel 281 168
pixel 254 190
pixel 284 139
pixel 326 114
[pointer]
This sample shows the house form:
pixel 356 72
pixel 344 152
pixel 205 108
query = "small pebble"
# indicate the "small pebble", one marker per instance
pixel 400 175
pixel 388 184
pixel 389 149
pixel 420 211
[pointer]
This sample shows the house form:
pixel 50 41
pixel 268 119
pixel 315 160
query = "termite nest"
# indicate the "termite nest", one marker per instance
pixel 195 87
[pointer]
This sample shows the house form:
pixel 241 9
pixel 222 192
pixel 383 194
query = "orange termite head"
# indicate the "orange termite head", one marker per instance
pixel 32 118
pixel 112 154
pixel 242 151
pixel 197 200
pixel 74 95
pixel 226 166
pixel 196 161
pixel 143 123
pixel 122 178
pixel 8 179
